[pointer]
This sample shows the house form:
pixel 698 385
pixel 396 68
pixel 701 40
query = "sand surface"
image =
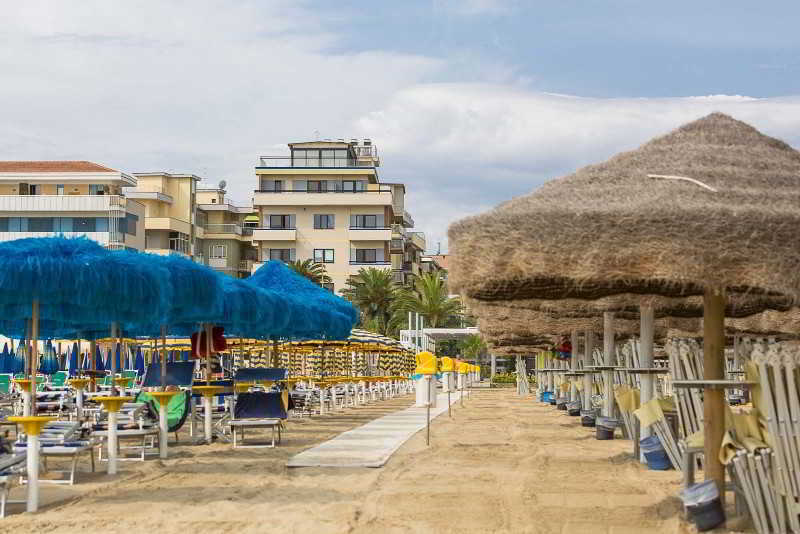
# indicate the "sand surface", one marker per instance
pixel 501 464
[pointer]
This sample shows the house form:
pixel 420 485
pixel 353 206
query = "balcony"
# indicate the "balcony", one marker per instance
pixel 246 265
pixel 218 263
pixel 374 195
pixel 418 240
pixel 226 207
pixel 274 234
pixel 287 162
pixel 369 234
pixel 62 203
pixel 152 194
pixel 371 263
pixel 226 229
pixel 167 223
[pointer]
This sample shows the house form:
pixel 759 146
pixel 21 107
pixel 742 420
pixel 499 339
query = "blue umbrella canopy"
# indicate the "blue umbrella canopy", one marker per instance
pixel 325 314
pixel 79 285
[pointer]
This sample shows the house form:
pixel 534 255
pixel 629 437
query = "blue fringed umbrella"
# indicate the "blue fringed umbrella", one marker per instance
pixel 185 355
pixel 4 360
pixel 16 365
pixel 98 360
pixel 73 360
pixel 139 364
pixel 317 313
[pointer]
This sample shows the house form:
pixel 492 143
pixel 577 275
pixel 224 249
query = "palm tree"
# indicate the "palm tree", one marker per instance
pixel 372 291
pixel 429 297
pixel 473 347
pixel 313 271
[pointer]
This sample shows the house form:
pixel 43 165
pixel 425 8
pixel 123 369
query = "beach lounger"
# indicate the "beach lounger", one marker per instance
pixel 258 409
pixel 68 449
pixel 11 466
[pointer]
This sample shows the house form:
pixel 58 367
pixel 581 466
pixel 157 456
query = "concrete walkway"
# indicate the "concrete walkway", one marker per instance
pixel 372 444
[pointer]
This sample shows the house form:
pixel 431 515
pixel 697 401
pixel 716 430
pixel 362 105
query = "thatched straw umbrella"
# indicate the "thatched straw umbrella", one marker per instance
pixel 711 209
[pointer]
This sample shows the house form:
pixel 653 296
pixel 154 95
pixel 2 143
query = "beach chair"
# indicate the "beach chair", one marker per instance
pixel 59 380
pixel 5 384
pixel 11 465
pixel 61 439
pixel 133 425
pixel 258 409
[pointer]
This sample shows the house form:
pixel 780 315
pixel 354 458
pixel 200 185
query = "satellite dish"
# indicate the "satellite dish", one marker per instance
pixel 222 184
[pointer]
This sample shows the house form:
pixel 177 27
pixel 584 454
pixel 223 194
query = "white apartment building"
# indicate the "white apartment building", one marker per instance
pixel 324 201
pixel 70 198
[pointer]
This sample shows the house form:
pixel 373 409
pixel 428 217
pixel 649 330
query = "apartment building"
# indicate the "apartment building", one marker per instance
pixel 70 198
pixel 187 217
pixel 325 202
pixel 170 211
pixel 227 242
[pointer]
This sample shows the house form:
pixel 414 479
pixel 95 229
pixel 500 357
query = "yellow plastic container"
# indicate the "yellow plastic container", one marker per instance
pixel 448 364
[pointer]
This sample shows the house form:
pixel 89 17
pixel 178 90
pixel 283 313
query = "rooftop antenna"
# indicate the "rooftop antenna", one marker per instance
pixel 222 184
pixel 316 135
pixel 438 248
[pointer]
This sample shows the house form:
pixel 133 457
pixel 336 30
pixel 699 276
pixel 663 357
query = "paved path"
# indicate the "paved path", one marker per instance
pixel 372 444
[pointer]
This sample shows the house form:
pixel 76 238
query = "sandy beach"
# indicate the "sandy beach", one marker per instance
pixel 501 464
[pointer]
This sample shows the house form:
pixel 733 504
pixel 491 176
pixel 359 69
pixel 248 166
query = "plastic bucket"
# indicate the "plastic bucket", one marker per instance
pixel 605 427
pixel 545 396
pixel 574 408
pixel 703 507
pixel 588 417
pixel 655 454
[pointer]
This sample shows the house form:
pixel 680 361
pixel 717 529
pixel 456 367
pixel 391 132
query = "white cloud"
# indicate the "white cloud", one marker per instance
pixel 466 147
pixel 207 86
pixel 478 7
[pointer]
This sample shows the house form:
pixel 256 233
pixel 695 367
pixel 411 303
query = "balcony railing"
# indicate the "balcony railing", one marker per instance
pixel 372 188
pixel 246 265
pixel 370 227
pixel 226 229
pixel 356 262
pixel 287 162
pixel 47 203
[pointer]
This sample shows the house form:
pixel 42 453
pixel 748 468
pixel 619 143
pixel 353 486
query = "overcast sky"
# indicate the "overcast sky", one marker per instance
pixel 470 102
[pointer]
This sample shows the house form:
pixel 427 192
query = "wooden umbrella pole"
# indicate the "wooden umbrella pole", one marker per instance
pixel 208 354
pixel 587 361
pixel 114 335
pixel 714 399
pixel 646 325
pixel 573 365
pixel 608 360
pixel 34 352
pixel 163 360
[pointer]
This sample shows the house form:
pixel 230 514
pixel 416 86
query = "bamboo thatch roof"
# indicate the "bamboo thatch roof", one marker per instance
pixel 729 219
pixel 767 323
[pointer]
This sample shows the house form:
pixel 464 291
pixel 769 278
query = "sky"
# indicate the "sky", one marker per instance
pixel 470 102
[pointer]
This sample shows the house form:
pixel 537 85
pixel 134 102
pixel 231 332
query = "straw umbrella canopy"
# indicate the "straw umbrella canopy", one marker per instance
pixel 710 209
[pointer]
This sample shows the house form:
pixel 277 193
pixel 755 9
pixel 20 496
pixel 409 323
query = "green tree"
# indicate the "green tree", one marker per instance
pixel 428 297
pixel 373 292
pixel 313 271
pixel 473 347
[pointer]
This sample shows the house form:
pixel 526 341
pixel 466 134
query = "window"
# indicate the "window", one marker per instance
pixel 317 186
pixel 24 189
pixel 282 254
pixel 329 287
pixel 40 224
pixel 366 255
pixel 100 225
pixel 84 224
pixel 213 200
pixel 97 189
pixel 323 255
pixel 131 221
pixel 349 186
pixel 59 189
pixel 366 221
pixel 3 224
pixel 324 222
pixel 281 222
pixel 66 224
pixel 179 242
pixel 219 251
pixel 35 189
